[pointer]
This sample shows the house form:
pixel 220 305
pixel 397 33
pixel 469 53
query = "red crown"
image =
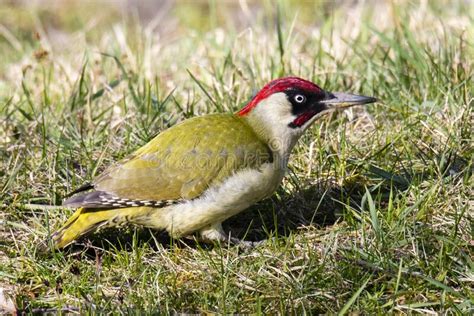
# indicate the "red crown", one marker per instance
pixel 279 85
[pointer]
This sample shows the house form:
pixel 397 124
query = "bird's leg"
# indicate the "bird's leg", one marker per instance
pixel 215 233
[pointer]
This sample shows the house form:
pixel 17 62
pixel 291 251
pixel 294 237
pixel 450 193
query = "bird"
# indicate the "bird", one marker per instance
pixel 196 174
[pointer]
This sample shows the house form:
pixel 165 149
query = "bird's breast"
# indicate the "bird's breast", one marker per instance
pixel 233 195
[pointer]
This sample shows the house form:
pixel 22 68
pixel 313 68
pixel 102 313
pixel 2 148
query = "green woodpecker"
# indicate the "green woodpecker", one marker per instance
pixel 193 176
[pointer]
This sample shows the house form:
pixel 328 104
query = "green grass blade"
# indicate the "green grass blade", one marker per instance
pixel 353 298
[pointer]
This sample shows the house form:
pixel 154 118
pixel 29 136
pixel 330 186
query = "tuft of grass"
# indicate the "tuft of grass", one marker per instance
pixel 375 215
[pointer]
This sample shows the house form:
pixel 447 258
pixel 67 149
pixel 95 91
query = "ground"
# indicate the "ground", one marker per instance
pixel 374 216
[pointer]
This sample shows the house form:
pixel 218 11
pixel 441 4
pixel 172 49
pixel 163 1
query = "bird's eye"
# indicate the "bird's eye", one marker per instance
pixel 299 98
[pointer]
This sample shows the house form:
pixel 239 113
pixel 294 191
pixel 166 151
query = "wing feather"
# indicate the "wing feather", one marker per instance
pixel 183 161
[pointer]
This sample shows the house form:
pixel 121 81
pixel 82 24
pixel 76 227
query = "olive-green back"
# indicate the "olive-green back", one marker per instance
pixel 183 161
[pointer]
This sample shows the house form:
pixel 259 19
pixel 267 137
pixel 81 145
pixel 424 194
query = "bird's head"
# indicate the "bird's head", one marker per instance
pixel 285 107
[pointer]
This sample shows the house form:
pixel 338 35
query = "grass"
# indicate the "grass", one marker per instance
pixel 375 215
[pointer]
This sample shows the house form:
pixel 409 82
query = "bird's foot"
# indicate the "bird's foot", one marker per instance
pixel 215 233
pixel 246 244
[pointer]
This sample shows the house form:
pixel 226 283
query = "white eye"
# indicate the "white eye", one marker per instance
pixel 299 98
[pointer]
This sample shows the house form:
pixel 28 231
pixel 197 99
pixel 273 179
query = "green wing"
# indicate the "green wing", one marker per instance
pixel 183 161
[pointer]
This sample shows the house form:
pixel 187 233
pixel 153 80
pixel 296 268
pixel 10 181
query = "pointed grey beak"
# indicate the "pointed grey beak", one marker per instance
pixel 340 100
